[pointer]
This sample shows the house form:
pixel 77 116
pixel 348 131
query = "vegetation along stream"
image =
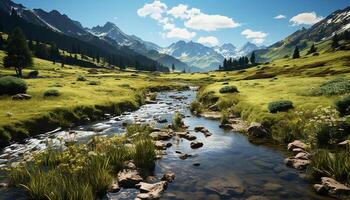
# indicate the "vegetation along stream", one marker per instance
pixel 227 166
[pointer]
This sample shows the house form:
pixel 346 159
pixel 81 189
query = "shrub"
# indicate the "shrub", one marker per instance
pixel 81 78
pixel 280 106
pixel 33 74
pixel 336 86
pixel 225 118
pixel 52 93
pixel 177 121
pixel 11 85
pixel 144 153
pixel 228 89
pixel 93 83
pixel 208 98
pixel 343 104
pixel 196 108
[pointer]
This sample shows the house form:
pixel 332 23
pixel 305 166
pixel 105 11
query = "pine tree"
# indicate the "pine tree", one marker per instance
pixel 173 67
pixel 18 53
pixel 335 41
pixel 312 49
pixel 296 53
pixel 252 58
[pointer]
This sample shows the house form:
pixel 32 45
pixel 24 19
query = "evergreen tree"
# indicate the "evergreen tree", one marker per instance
pixel 18 53
pixel 2 42
pixel 335 41
pixel 173 67
pixel 312 49
pixel 296 53
pixel 252 58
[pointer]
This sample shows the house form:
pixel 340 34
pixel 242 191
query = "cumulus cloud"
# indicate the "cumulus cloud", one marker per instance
pixel 180 33
pixel 154 10
pixel 305 18
pixel 179 11
pixel 210 40
pixel 280 17
pixel 257 37
pixel 210 22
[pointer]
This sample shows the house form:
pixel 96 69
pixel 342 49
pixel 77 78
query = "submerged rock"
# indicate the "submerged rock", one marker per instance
pixel 129 178
pixel 151 191
pixel 196 145
pixel 224 188
pixel 169 177
pixel 161 135
pixel 186 135
pixel 184 156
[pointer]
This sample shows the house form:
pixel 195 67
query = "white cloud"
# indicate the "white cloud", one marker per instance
pixel 168 26
pixel 305 18
pixel 154 10
pixel 280 17
pixel 258 37
pixel 180 33
pixel 210 22
pixel 211 41
pixel 179 11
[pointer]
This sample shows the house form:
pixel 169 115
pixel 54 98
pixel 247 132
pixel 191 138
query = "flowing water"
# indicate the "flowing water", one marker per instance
pixel 230 166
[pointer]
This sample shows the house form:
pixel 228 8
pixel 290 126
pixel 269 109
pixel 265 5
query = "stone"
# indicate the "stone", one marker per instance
pixel 211 115
pixel 214 108
pixel 184 156
pixel 224 188
pixel 160 145
pixel 198 128
pixel 161 135
pixel 114 188
pixel 298 150
pixel 129 178
pixel 255 197
pixel 196 145
pixel 162 121
pixel 303 156
pixel 296 144
pixel 21 97
pixel 297 163
pixel 196 164
pixel 202 130
pixel 178 152
pixel 256 130
pixel 151 191
pixel 332 187
pixel 186 135
pixel 345 143
pixel 4 185
pixel 272 186
pixel 129 165
pixel 168 177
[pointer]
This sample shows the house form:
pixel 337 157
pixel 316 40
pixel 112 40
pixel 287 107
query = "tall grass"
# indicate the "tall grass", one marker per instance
pixel 177 121
pixel 336 165
pixel 144 153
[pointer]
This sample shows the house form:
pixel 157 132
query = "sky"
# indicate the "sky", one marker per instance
pixel 210 22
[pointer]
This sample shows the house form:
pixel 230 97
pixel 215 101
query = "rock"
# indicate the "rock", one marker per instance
pixel 148 101
pixel 129 178
pixel 203 130
pixel 151 191
pixel 161 135
pixel 296 144
pixel 184 156
pixel 196 145
pixel 4 185
pixel 303 156
pixel 198 128
pixel 160 145
pixel 129 165
pixel 345 143
pixel 162 121
pixel 169 177
pixel 114 188
pixel 168 145
pixel 297 163
pixel 224 188
pixel 214 108
pixel 196 164
pixel 21 97
pixel 178 152
pixel 226 126
pixel 255 197
pixel 257 130
pixel 272 187
pixel 211 115
pixel 332 187
pixel 298 150
pixel 186 135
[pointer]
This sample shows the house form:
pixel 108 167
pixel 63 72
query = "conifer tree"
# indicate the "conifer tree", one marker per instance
pixel 252 58
pixel 335 41
pixel 296 53
pixel 173 67
pixel 312 49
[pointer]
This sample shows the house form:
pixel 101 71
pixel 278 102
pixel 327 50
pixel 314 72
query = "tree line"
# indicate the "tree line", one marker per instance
pixel 240 63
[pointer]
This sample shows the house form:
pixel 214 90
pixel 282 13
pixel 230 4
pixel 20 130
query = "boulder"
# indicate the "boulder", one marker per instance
pixel 224 188
pixel 297 163
pixel 186 135
pixel 203 130
pixel 297 144
pixel 114 188
pixel 196 145
pixel 21 97
pixel 303 156
pixel 168 177
pixel 211 115
pixel 161 135
pixel 184 156
pixel 331 187
pixel 129 178
pixel 151 191
pixel 344 144
pixel 256 130
pixel 198 128
pixel 129 165
pixel 160 145
pixel 255 197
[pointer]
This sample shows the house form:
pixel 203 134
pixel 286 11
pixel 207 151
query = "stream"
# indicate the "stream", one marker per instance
pixel 228 166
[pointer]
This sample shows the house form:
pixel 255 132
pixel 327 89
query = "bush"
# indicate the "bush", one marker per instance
pixel 52 93
pixel 93 83
pixel 196 108
pixel 228 89
pixel 33 74
pixel 11 85
pixel 280 106
pixel 343 105
pixel 208 98
pixel 81 78
pixel 177 121
pixel 336 86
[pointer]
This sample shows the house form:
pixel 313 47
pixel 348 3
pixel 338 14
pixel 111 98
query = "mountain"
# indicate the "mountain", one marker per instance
pixel 195 55
pixel 149 49
pixel 337 22
pixel 67 34
pixel 227 50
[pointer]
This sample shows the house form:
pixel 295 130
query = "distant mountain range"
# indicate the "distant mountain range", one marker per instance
pixel 189 56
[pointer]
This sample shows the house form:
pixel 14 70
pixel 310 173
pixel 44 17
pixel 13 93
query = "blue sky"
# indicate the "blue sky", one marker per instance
pixel 210 22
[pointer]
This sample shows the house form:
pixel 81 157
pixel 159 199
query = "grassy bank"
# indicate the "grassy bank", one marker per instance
pixel 83 95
